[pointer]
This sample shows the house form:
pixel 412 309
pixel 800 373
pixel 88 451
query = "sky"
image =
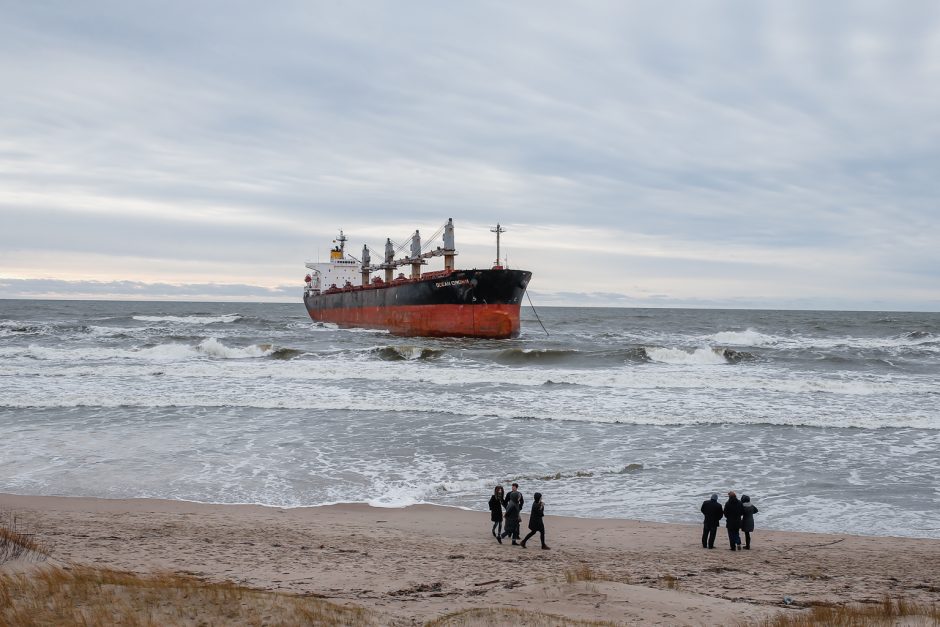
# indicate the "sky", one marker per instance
pixel 776 154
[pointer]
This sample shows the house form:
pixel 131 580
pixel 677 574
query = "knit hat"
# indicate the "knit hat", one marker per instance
pixel 745 499
pixel 714 496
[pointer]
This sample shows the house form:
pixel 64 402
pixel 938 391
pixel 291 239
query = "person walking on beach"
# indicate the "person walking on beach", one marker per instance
pixel 713 515
pixel 513 503
pixel 496 512
pixel 536 522
pixel 747 522
pixel 733 513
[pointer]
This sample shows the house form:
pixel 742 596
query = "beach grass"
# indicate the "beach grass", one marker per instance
pixel 500 616
pixel 81 595
pixel 18 541
pixel 582 572
pixel 890 611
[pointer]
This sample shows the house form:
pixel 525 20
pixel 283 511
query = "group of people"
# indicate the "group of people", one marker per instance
pixel 512 504
pixel 738 515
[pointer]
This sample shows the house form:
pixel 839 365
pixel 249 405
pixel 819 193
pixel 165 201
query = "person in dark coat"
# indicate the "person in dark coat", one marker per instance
pixel 536 522
pixel 713 515
pixel 496 512
pixel 513 517
pixel 733 513
pixel 514 496
pixel 747 522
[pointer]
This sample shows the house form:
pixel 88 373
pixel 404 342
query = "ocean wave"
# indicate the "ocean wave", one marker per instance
pixel 749 337
pixel 223 319
pixel 85 362
pixel 682 357
pixel 214 348
pixel 405 353
pixel 284 353
pixel 19 328
pixel 580 474
pixel 534 355
pixel 210 347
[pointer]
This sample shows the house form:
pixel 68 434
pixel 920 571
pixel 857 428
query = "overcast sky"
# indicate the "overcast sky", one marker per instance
pixel 740 154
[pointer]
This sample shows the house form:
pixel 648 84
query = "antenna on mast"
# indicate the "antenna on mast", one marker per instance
pixel 498 230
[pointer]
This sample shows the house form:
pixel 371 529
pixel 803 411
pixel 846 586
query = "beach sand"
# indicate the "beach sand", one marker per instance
pixel 422 562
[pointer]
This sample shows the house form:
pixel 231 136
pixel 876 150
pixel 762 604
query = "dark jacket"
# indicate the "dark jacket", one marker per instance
pixel 713 513
pixel 733 512
pixel 747 523
pixel 514 496
pixel 496 509
pixel 535 518
pixel 513 512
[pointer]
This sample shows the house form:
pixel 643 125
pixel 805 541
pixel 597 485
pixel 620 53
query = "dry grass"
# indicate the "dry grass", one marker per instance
pixel 498 617
pixel 670 582
pixel 581 573
pixel 17 541
pixel 888 612
pixel 92 596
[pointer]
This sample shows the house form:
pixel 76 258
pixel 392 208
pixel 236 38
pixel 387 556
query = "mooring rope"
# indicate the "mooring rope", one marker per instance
pixel 536 313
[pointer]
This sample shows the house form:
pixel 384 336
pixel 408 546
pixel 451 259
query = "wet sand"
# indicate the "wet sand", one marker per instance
pixel 425 561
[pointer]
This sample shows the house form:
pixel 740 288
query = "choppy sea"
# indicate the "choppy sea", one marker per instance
pixel 830 421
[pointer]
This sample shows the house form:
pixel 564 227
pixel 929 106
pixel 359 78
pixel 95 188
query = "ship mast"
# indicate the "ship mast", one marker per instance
pixel 497 230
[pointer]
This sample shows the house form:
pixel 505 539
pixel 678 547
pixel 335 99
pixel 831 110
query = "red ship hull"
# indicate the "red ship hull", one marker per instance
pixel 457 303
pixel 485 321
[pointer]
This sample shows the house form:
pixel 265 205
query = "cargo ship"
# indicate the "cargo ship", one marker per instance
pixel 481 303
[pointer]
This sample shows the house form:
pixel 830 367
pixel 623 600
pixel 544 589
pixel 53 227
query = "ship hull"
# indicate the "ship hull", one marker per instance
pixel 462 303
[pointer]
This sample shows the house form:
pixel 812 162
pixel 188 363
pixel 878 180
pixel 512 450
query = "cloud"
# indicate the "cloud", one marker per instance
pixel 794 141
pixel 139 290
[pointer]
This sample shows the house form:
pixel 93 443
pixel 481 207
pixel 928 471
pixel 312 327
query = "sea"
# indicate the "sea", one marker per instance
pixel 829 421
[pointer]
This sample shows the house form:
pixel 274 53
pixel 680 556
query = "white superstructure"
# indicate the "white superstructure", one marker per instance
pixel 337 272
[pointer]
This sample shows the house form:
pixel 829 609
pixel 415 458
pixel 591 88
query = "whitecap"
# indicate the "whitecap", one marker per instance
pixel 214 348
pixel 678 356
pixel 223 319
pixel 749 337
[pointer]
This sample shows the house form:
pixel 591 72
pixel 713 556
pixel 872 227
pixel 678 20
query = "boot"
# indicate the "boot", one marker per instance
pixel 545 547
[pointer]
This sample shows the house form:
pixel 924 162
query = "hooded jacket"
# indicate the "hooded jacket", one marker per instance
pixel 747 523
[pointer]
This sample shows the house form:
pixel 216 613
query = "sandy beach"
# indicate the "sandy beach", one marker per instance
pixel 423 562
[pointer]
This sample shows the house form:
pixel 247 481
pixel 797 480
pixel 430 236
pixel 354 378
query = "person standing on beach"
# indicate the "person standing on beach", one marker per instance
pixel 536 522
pixel 496 512
pixel 513 503
pixel 747 523
pixel 713 515
pixel 514 493
pixel 733 513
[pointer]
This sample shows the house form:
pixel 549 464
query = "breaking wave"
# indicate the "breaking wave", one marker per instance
pixel 534 355
pixel 696 357
pixel 405 353
pixel 210 347
pixel 750 337
pixel 581 474
pixel 223 319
